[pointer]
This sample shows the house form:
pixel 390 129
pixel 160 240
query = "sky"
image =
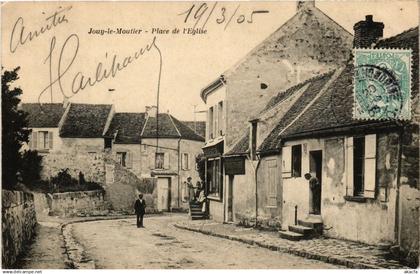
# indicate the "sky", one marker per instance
pixel 178 65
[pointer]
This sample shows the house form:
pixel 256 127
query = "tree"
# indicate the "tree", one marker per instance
pixel 14 132
pixel 201 166
pixel 31 167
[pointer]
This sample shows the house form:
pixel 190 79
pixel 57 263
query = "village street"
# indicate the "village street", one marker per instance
pixel 120 244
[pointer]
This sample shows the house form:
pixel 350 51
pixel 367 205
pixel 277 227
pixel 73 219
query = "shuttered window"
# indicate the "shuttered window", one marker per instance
pixel 361 166
pixel 185 161
pixel 286 161
pixel 271 178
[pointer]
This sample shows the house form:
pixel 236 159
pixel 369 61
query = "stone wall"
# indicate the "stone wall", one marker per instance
pixel 409 235
pixel 80 203
pixel 308 44
pixel 78 155
pixel 18 224
pixel 123 189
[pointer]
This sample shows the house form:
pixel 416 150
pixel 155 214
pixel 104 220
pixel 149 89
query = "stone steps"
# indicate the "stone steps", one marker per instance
pixel 292 236
pixel 196 212
pixel 307 228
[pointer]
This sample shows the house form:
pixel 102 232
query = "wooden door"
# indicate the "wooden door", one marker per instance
pixel 164 194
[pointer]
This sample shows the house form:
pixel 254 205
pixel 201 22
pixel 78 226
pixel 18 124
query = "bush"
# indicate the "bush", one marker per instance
pixel 63 182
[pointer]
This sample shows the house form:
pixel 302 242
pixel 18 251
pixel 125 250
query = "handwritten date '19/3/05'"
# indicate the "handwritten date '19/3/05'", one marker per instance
pixel 201 14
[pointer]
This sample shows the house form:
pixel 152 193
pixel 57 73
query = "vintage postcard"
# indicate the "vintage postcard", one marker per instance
pixel 210 135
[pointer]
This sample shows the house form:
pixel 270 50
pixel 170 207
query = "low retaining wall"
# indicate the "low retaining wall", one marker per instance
pixel 18 224
pixel 80 203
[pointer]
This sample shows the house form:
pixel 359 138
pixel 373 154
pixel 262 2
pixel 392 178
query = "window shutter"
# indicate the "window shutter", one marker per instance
pixel 188 161
pixel 166 160
pixel 349 166
pixel 183 161
pixel 50 139
pixel 272 185
pixel 370 166
pixel 30 142
pixel 129 160
pixel 286 156
pixel 35 139
pixel 152 163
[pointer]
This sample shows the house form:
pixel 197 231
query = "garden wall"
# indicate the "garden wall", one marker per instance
pixel 18 224
pixel 80 203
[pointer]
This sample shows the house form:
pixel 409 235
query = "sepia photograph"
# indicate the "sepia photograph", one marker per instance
pixel 217 135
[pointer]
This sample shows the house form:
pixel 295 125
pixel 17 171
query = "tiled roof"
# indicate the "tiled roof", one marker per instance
pixel 186 132
pixel 127 127
pixel 166 127
pixel 169 127
pixel 315 85
pixel 43 115
pixel 334 108
pixel 241 147
pixel 85 121
pixel 200 127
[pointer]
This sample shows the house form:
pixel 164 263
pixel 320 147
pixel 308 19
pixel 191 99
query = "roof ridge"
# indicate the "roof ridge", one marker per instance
pixel 324 88
pixel 396 35
pixel 144 126
pixel 177 130
pixel 296 87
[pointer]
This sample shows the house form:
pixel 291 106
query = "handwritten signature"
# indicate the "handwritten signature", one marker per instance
pixel 20 37
pixel 198 14
pixel 80 81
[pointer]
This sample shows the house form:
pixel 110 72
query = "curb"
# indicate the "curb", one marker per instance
pixel 309 255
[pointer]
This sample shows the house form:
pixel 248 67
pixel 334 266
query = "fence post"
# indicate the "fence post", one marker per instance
pixel 296 222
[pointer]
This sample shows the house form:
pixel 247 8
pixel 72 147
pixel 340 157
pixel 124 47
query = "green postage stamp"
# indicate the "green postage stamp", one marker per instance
pixel 382 84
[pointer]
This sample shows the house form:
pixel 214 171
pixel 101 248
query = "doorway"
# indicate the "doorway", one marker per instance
pixel 315 167
pixel 164 194
pixel 230 200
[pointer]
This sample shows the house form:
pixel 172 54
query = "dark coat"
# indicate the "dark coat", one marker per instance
pixel 140 206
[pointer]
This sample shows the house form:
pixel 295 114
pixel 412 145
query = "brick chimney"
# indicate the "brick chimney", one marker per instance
pixel 305 5
pixel 367 32
pixel 151 111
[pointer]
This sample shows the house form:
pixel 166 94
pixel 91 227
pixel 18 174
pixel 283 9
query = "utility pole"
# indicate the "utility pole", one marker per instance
pixel 195 122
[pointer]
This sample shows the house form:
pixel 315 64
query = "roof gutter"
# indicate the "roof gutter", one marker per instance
pixel 212 87
pixel 383 126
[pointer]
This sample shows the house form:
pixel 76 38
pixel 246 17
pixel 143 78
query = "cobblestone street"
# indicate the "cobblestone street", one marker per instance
pixel 339 252
pixel 120 244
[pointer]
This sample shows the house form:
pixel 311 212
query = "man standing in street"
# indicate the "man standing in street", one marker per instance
pixel 140 207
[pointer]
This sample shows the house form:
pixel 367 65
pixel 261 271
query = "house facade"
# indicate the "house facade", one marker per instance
pixel 307 45
pixel 368 170
pixel 122 151
pixel 158 147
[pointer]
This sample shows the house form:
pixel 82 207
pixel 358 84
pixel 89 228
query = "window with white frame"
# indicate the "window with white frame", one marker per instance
pixel 361 166
pixel 159 160
pixel 292 161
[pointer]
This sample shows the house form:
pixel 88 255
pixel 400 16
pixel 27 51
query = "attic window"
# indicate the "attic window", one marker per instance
pixel 263 86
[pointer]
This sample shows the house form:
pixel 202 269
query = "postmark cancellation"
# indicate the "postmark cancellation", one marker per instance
pixel 382 84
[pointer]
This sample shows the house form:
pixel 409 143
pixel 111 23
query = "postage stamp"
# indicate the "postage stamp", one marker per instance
pixel 382 84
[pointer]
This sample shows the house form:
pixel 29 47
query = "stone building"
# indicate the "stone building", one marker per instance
pixel 122 151
pixel 167 154
pixel 308 44
pixel 74 142
pixel 368 170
